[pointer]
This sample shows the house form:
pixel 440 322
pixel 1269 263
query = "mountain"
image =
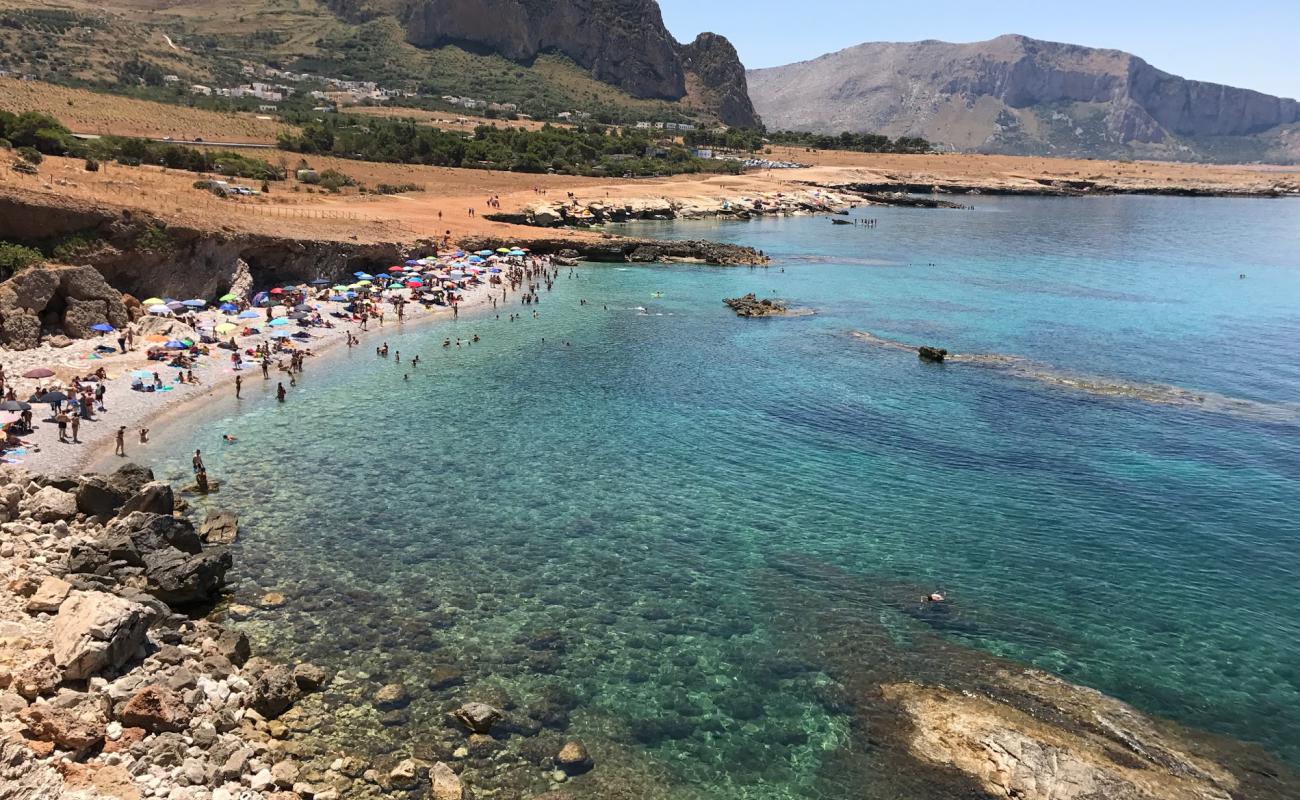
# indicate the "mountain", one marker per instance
pixel 613 58
pixel 1019 95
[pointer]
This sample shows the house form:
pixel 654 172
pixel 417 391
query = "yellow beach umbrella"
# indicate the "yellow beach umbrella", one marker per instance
pixel 152 301
pixel 225 327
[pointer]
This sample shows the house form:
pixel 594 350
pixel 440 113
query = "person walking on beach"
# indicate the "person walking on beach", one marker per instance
pixel 266 368
pixel 239 385
pixel 62 420
pixel 121 342
pixel 279 392
pixel 120 450
pixel 76 427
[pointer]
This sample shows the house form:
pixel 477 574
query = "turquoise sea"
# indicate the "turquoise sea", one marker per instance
pixel 633 516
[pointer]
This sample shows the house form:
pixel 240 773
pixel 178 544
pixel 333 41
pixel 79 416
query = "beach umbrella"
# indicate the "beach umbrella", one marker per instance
pixel 321 282
pixel 225 327
pixel 300 315
pixel 495 269
pixel 414 282
pixel 14 405
pixel 227 307
pixel 175 305
pixel 52 397
pixel 226 298
pixel 503 249
pixel 195 303
pixel 176 344
pixel 338 298
pixel 250 314
pixel 397 269
pixel 155 339
pixel 260 298
pixel 363 282
pixel 153 301
pixel 302 307
pixel 102 327
pixel 141 373
pixel 278 321
pixel 365 276
pixel 484 253
pixel 281 334
pixel 159 308
pixel 277 290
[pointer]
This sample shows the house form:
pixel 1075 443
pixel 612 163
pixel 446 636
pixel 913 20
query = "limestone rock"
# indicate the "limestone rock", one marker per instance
pixel 220 527
pixel 445 783
pixel 50 504
pixel 61 299
pixel 97 497
pixel 156 709
pixel 49 596
pixel 128 479
pixel 478 717
pixel 751 306
pixel 932 354
pixel 153 498
pixel 392 696
pixel 38 677
pixel 309 677
pixel 181 579
pixel 273 686
pixel 573 758
pixel 23 777
pixel 96 631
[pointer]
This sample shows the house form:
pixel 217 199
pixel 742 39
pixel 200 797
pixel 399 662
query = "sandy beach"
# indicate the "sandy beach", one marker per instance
pixel 152 410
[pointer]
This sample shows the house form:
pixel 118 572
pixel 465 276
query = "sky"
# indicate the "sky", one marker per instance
pixel 1249 43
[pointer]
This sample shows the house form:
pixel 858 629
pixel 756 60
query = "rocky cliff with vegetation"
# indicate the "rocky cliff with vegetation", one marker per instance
pixel 1019 95
pixel 623 42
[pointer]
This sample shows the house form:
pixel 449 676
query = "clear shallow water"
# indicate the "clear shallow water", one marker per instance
pixel 611 510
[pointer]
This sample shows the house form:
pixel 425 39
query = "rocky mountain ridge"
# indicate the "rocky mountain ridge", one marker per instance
pixel 1019 95
pixel 623 42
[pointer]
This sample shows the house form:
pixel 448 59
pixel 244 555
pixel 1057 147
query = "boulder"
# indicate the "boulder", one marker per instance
pixel 77 729
pixel 48 596
pixel 405 775
pixel 153 498
pixel 309 677
pixel 181 579
pixel 151 532
pixel 273 687
pixel 444 783
pixel 23 776
pixel 96 631
pixel 66 300
pixel 134 308
pixel 50 504
pixel 573 758
pixel 157 709
pixel 96 497
pixel 478 717
pixel 128 479
pixel 165 326
pixel 233 646
pixel 219 527
pixel 546 215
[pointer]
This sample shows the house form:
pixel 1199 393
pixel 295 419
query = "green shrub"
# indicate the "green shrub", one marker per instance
pixel 70 248
pixel 334 180
pixel 154 239
pixel 15 258
pixel 31 155
pixel 92 165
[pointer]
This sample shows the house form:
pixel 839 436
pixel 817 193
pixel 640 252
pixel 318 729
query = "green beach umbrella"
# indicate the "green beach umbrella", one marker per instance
pixel 226 298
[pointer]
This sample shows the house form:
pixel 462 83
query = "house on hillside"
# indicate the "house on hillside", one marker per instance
pixel 199 88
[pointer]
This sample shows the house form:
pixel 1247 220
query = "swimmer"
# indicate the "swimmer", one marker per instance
pixel 228 439
pixel 933 597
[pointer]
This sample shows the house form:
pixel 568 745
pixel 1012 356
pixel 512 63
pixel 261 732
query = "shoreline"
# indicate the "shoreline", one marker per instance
pixel 97 446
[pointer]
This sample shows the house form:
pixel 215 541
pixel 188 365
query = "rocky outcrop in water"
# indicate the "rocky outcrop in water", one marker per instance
pixel 622 249
pixel 56 300
pixel 750 306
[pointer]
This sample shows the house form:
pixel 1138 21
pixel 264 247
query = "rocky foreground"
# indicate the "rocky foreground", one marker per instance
pixel 111 685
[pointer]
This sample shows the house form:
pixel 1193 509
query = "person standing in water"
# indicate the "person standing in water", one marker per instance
pixel 197 462
pixel 279 392
pixel 239 384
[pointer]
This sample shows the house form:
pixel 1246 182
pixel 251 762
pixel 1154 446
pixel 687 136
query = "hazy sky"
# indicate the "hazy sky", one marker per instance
pixel 1250 43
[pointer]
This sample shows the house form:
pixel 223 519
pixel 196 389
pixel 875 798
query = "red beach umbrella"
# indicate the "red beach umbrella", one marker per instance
pixel 277 291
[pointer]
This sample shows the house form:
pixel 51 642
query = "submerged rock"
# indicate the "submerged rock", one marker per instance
pixel 573 758
pixel 478 717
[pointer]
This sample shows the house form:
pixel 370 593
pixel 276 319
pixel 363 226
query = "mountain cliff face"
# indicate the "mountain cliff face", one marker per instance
pixel 1020 95
pixel 623 42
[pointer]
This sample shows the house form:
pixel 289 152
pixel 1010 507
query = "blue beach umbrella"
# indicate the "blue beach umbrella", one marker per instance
pixel 141 373
pixel 175 345
pixel 102 327
pixel 227 307
pixel 281 334
pixel 495 269
pixel 321 282
pixel 195 303
pixel 279 321
pixel 484 253
pixel 249 314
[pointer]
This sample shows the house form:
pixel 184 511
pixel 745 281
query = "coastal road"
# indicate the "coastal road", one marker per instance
pixel 191 142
